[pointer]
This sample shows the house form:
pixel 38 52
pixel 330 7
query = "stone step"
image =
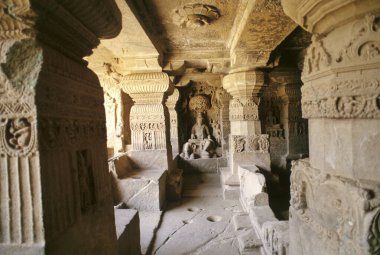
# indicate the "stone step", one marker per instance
pixel 230 192
pixel 241 222
pixel 249 243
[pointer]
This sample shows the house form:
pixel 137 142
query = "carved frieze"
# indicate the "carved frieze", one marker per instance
pixel 365 44
pixel 250 143
pixel 243 109
pixel 342 98
pixel 148 127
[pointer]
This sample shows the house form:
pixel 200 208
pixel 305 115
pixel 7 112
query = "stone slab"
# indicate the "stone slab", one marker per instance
pixel 144 190
pixel 149 224
pixel 128 231
pixel 150 159
pixel 210 165
pixel 241 221
pixel 259 215
pixel 249 242
pixel 252 187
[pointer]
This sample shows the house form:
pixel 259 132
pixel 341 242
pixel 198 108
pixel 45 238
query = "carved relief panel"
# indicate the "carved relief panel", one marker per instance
pixel 211 101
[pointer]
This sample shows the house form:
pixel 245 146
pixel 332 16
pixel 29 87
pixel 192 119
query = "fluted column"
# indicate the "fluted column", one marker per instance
pixel 335 193
pixel 55 195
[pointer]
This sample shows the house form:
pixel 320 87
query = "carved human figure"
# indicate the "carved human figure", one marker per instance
pixel 200 139
pixel 199 129
pixel 217 132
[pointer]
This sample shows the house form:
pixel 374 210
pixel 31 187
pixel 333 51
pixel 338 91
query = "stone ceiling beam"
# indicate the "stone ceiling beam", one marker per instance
pixel 261 29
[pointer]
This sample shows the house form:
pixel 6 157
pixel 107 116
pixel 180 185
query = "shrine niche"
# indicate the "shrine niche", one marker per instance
pixel 201 120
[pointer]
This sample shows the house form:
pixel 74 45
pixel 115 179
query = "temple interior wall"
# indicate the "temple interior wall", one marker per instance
pixel 96 118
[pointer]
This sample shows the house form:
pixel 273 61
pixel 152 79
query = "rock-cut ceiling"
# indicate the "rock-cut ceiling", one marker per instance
pixel 216 35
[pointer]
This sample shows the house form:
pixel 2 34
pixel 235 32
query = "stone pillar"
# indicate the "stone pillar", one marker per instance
pixel 335 194
pixel 171 104
pixel 288 137
pixel 114 106
pixel 225 119
pixel 247 145
pixel 149 120
pixel 55 195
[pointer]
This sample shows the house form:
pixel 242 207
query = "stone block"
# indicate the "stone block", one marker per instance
pixel 142 190
pixel 200 165
pixel 252 187
pixel 259 215
pixel 128 231
pixel 230 184
pixel 174 185
pixel 249 243
pixel 150 159
pixel 275 237
pixel 262 160
pixel 241 221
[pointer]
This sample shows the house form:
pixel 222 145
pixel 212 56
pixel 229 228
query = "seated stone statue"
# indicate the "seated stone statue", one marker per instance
pixel 200 143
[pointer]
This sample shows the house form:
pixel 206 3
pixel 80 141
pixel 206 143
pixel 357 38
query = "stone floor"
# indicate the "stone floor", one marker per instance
pixel 201 223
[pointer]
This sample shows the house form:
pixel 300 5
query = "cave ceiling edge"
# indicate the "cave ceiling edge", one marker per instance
pixel 188 39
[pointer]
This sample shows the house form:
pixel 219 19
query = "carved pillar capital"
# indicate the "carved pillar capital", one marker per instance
pixel 146 88
pixel 321 17
pixel 244 84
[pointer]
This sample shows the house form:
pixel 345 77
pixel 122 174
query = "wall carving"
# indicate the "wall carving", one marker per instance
pixel 195 15
pixel 337 209
pixel 18 136
pixel 148 127
pixel 275 237
pixel 342 98
pixel 250 143
pixel 116 107
pixel 365 45
pixel 317 58
pixel 243 108
pixel 203 101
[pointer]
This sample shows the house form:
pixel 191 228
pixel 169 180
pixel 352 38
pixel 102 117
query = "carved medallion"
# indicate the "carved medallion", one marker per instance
pixel 18 136
pixel 195 15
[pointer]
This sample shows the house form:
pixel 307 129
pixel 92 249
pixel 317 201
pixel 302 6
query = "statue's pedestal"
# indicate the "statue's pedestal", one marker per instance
pixel 208 165
pixel 143 190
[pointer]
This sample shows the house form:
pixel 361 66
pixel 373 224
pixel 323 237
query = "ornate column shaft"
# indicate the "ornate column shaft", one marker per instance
pixel 287 126
pixel 55 195
pixel 244 88
pixel 247 145
pixel 335 194
pixel 149 118
pixel 114 106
